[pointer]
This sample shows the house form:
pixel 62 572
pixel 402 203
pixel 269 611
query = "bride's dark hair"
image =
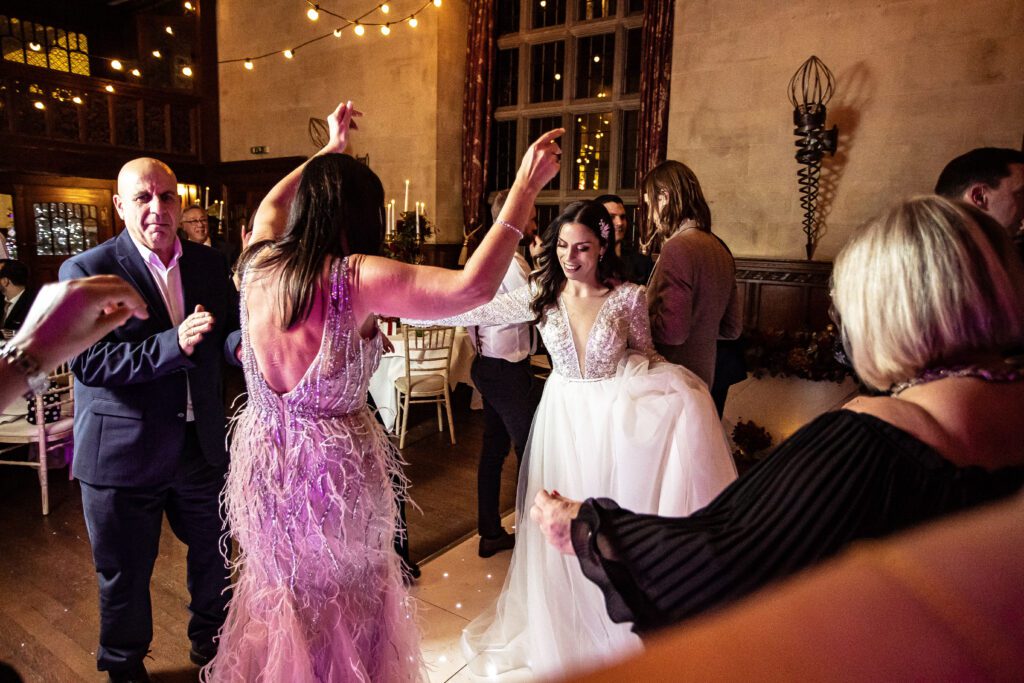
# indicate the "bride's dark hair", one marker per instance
pixel 337 211
pixel 549 277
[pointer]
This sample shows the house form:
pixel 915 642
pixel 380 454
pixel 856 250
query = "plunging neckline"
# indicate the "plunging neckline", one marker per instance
pixel 572 337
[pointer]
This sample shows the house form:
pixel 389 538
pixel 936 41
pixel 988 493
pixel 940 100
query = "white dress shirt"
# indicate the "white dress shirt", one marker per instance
pixel 168 281
pixel 508 342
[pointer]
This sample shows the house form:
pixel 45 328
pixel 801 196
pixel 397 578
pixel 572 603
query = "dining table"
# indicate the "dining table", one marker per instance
pixel 392 366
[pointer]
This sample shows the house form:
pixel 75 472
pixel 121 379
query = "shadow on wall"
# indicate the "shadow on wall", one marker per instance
pixel 855 88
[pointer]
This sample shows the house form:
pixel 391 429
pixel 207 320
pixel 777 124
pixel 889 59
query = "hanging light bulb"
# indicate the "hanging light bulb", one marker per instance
pixel 384 8
pixel 168 30
pixel 313 13
pixel 385 29
pixel 186 71
pixel 359 29
pixel 116 64
pixel 76 99
pixel 288 54
pixel 39 105
pixel 247 64
pixel 156 53
pixel 413 22
pixel 337 33
pixel 189 6
pixel 136 73
pixel 437 3
pixel 34 46
pixel 109 88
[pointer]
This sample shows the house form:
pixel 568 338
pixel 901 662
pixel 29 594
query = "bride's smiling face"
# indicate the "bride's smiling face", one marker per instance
pixel 578 251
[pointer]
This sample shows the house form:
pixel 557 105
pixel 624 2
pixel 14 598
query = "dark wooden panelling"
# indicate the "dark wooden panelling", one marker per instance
pixel 783 294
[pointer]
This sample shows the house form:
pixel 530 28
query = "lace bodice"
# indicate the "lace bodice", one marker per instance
pixel 335 382
pixel 621 324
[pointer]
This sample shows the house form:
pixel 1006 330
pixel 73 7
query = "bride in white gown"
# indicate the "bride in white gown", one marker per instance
pixel 615 420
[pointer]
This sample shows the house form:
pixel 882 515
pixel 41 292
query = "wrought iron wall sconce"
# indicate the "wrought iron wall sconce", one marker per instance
pixel 810 89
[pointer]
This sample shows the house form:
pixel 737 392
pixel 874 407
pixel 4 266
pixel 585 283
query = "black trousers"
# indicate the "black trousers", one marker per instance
pixel 508 414
pixel 124 530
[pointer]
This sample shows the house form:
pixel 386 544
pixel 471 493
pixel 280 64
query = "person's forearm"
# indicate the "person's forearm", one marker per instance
pixel 271 216
pixel 486 268
pixel 274 208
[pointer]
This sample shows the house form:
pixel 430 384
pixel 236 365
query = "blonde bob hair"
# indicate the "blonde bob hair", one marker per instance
pixel 929 283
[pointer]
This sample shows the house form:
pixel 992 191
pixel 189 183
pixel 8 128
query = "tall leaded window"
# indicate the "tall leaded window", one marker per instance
pixel 572 64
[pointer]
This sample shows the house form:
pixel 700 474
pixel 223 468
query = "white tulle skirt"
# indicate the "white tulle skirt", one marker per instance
pixel 650 439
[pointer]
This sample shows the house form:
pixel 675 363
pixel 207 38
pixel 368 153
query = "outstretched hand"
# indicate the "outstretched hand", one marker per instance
pixel 67 317
pixel 554 514
pixel 339 123
pixel 542 160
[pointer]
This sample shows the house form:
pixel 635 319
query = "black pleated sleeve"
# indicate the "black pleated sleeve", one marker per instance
pixel 844 476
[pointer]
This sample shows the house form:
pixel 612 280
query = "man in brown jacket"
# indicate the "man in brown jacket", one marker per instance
pixel 692 295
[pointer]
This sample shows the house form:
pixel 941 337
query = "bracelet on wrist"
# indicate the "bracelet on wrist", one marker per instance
pixel 38 380
pixel 509 226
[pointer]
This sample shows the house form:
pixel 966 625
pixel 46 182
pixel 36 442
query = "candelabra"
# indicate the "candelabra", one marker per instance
pixel 809 90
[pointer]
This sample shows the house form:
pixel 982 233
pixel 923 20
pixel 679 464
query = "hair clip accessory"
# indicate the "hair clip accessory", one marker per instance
pixel 604 227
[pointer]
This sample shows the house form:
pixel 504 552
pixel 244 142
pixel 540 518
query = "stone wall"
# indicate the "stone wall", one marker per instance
pixel 918 82
pixel 408 85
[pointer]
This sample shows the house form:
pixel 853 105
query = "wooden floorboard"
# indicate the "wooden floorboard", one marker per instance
pixel 48 598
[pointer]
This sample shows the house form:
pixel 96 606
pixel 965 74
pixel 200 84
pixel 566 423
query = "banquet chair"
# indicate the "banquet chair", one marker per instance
pixel 428 359
pixel 42 437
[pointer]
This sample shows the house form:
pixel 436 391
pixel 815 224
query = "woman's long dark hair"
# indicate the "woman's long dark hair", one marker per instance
pixel 337 211
pixel 549 277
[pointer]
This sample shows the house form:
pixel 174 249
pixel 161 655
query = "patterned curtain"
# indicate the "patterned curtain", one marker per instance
pixel 655 79
pixel 476 118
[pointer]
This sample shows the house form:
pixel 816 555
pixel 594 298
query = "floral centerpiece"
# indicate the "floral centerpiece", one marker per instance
pixel 404 240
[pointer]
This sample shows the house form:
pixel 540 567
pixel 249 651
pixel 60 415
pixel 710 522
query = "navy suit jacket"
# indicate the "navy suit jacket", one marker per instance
pixel 130 393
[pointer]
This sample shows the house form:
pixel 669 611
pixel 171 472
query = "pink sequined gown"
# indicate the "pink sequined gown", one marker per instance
pixel 310 501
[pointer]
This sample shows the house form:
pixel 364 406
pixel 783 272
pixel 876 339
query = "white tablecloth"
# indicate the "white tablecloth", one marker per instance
pixel 392 366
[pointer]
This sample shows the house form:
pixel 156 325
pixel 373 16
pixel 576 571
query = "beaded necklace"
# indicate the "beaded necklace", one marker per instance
pixel 1010 372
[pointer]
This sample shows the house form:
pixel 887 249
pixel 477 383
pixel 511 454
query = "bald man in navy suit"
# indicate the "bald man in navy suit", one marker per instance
pixel 149 420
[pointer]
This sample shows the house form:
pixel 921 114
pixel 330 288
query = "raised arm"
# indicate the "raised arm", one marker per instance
pixel 269 222
pixel 391 288
pixel 504 309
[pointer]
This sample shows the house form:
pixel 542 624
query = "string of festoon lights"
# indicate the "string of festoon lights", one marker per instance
pixel 128 67
pixel 359 24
